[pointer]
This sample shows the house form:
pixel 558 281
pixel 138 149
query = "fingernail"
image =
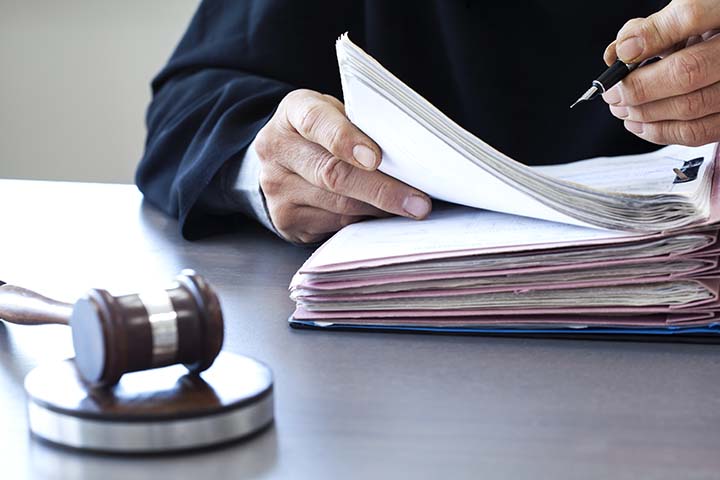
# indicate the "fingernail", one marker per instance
pixel 416 206
pixel 630 49
pixel 634 127
pixel 612 96
pixel 620 112
pixel 364 156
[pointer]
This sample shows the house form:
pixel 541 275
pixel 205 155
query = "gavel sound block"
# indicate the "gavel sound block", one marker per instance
pixel 88 403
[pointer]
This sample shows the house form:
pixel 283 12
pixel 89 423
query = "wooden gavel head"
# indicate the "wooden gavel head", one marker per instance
pixel 114 335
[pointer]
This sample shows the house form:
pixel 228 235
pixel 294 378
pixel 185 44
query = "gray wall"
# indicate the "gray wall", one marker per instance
pixel 74 83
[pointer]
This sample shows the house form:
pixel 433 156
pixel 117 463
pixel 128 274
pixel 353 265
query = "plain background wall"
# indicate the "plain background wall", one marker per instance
pixel 74 83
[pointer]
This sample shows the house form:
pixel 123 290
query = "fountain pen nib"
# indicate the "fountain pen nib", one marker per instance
pixel 592 91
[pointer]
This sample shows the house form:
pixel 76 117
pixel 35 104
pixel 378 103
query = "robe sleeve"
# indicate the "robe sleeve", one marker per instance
pixel 234 64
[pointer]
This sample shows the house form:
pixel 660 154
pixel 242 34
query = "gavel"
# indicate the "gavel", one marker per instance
pixel 114 335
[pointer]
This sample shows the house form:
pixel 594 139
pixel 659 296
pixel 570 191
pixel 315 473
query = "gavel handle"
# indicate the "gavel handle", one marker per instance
pixel 25 307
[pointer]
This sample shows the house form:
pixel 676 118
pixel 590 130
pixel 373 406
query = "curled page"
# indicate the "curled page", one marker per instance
pixel 426 149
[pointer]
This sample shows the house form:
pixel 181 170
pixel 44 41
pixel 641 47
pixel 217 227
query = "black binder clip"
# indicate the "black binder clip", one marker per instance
pixel 689 171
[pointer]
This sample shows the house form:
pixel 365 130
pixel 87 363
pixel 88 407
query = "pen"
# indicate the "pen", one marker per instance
pixel 616 72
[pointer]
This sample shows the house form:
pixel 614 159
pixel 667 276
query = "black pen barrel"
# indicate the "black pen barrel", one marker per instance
pixel 610 77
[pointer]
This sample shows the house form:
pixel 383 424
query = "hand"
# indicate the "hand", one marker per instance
pixel 677 99
pixel 318 171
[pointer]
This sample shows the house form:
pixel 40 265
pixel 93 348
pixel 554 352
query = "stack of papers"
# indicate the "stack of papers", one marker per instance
pixel 607 245
pixel 424 148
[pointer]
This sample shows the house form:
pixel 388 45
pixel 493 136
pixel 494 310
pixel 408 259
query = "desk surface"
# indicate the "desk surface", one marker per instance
pixel 351 405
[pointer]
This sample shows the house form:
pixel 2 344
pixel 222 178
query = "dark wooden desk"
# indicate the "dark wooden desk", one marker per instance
pixel 351 405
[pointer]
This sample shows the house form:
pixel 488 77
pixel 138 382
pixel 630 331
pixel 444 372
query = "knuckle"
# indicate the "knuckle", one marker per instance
pixel 311 118
pixel 633 23
pixel 333 174
pixel 703 133
pixel 340 138
pixel 693 105
pixel 302 238
pixel 269 182
pixel 688 12
pixel 639 114
pixel 265 144
pixel 383 193
pixel 335 102
pixel 711 98
pixel 652 31
pixel 296 238
pixel 655 132
pixel 307 238
pixel 283 220
pixel 346 220
pixel 689 70
pixel 661 133
pixel 689 135
pixel 343 204
pixel 630 27
pixel 634 92
pixel 295 96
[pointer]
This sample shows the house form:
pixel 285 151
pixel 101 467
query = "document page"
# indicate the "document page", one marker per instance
pixel 426 149
pixel 422 160
pixel 453 228
pixel 646 174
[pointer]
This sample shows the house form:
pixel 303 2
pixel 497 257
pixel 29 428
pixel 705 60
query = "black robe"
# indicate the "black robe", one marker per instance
pixel 505 70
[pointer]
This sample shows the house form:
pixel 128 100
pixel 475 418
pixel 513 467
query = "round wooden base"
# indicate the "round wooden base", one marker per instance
pixel 152 411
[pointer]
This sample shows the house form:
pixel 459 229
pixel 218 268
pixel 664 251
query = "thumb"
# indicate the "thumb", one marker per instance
pixel 643 38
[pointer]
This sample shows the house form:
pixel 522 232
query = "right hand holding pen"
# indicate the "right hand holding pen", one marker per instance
pixel 676 100
pixel 318 171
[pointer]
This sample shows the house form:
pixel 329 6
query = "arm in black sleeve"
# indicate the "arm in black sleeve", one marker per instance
pixel 235 63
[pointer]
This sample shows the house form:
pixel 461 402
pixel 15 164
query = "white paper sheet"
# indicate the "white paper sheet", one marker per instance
pixel 422 160
pixel 452 228
pixel 426 149
pixel 648 173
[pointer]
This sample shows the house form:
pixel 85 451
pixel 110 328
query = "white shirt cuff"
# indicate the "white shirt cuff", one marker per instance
pixel 246 189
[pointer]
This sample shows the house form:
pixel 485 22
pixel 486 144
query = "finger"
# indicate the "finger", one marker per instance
pixel 309 224
pixel 610 55
pixel 322 169
pixel 692 133
pixel 338 104
pixel 319 120
pixel 682 72
pixel 697 104
pixel 643 38
pixel 298 191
